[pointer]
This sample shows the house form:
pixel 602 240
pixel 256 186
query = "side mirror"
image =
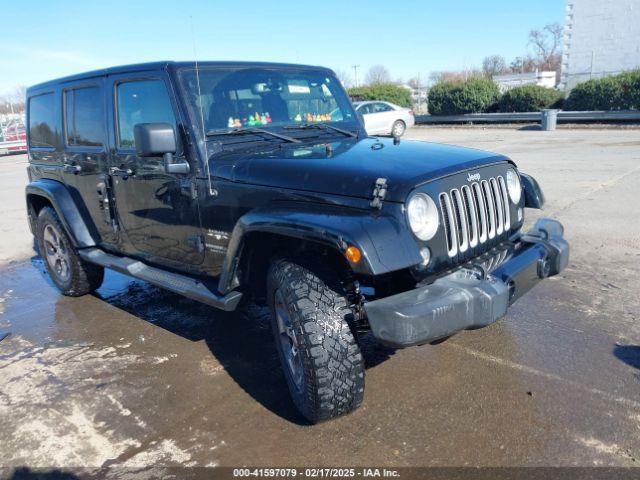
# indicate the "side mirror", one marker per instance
pixel 158 139
pixel 154 139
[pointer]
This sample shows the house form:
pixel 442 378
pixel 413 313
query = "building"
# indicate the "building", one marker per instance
pixel 510 80
pixel 419 98
pixel 601 37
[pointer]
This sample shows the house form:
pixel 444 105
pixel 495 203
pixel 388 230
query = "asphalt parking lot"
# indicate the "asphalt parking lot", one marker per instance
pixel 137 377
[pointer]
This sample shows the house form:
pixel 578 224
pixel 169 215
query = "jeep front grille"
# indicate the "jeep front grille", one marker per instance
pixel 474 214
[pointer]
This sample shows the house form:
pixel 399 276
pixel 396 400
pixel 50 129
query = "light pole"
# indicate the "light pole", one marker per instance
pixel 355 74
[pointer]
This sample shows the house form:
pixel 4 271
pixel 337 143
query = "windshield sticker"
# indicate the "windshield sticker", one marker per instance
pixel 299 89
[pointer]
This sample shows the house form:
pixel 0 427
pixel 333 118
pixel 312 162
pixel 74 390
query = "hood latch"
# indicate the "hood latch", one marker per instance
pixel 379 192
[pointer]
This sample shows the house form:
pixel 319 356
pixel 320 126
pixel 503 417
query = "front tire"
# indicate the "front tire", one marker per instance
pixel 322 362
pixel 398 128
pixel 72 275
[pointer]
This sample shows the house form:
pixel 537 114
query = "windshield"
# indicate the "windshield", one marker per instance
pixel 267 98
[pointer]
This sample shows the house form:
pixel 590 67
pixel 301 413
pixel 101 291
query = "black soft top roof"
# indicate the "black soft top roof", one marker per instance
pixel 142 67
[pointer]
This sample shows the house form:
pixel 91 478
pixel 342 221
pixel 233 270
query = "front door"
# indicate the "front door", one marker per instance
pixel 367 115
pixel 382 115
pixel 157 211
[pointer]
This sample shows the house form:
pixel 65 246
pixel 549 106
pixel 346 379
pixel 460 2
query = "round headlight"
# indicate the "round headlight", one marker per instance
pixel 513 186
pixel 423 216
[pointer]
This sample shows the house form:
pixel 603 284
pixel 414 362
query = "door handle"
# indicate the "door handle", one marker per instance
pixel 71 168
pixel 120 172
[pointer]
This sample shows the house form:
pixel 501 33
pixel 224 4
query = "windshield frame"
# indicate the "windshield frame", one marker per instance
pixel 196 117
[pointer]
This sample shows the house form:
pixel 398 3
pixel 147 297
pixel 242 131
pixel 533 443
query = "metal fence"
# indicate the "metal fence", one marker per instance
pixel 563 117
pixel 17 146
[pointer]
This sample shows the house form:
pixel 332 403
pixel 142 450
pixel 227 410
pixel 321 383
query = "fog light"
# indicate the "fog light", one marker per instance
pixel 425 253
pixel 520 214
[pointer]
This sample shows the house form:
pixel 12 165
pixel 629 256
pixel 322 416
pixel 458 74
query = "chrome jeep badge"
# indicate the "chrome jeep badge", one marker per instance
pixel 473 178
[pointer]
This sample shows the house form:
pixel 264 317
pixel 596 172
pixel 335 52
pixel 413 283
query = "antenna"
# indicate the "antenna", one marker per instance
pixel 212 191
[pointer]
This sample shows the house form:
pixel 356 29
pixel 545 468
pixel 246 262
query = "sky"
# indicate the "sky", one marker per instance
pixel 41 40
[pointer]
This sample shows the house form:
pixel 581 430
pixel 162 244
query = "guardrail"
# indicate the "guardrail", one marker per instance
pixel 13 147
pixel 563 117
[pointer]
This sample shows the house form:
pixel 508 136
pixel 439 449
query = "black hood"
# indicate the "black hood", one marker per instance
pixel 350 167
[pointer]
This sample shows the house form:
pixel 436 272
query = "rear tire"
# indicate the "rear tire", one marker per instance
pixel 398 128
pixel 322 362
pixel 72 275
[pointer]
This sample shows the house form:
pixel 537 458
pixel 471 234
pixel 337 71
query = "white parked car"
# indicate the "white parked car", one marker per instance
pixel 385 118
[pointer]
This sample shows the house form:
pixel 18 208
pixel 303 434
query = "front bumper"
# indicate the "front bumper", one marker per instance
pixel 471 297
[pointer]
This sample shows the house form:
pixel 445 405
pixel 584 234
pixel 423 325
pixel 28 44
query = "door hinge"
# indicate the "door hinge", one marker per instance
pixel 379 192
pixel 196 242
pixel 106 201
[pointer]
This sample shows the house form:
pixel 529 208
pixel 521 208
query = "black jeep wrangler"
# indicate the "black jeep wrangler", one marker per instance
pixel 224 181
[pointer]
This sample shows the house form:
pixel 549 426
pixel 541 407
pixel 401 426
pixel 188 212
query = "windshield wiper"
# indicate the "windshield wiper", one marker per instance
pixel 242 131
pixel 321 126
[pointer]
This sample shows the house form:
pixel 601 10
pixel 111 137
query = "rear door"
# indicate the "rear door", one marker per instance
pixel 157 211
pixel 85 154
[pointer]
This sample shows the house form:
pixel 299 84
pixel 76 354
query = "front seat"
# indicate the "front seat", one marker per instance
pixel 276 106
pixel 219 112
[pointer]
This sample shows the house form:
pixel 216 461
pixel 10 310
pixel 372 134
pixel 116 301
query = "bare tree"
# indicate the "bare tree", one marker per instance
pixel 19 94
pixel 4 106
pixel 454 75
pixel 415 83
pixel 523 65
pixel 493 65
pixel 546 45
pixel 344 78
pixel 13 101
pixel 378 74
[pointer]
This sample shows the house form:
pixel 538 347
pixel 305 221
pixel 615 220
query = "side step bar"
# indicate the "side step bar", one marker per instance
pixel 205 292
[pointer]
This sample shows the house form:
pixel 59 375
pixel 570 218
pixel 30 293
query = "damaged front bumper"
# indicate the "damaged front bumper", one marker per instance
pixel 471 297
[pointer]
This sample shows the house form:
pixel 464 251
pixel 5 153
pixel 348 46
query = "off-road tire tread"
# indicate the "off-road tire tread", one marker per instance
pixel 332 361
pixel 85 277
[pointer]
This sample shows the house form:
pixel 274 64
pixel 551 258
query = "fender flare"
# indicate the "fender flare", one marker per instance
pixel 533 196
pixel 57 194
pixel 386 245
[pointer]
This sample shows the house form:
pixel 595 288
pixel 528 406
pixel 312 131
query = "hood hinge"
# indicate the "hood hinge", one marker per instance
pixel 379 192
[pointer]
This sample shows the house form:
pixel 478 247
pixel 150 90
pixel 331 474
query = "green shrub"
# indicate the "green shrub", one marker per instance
pixel 619 92
pixel 630 84
pixel 559 103
pixel 387 92
pixel 603 94
pixel 528 98
pixel 476 95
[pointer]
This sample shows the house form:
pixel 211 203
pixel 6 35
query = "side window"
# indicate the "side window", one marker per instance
pixel 42 124
pixel 381 107
pixel 365 109
pixel 142 101
pixel 84 117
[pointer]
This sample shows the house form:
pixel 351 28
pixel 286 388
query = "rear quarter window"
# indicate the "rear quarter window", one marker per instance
pixel 42 121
